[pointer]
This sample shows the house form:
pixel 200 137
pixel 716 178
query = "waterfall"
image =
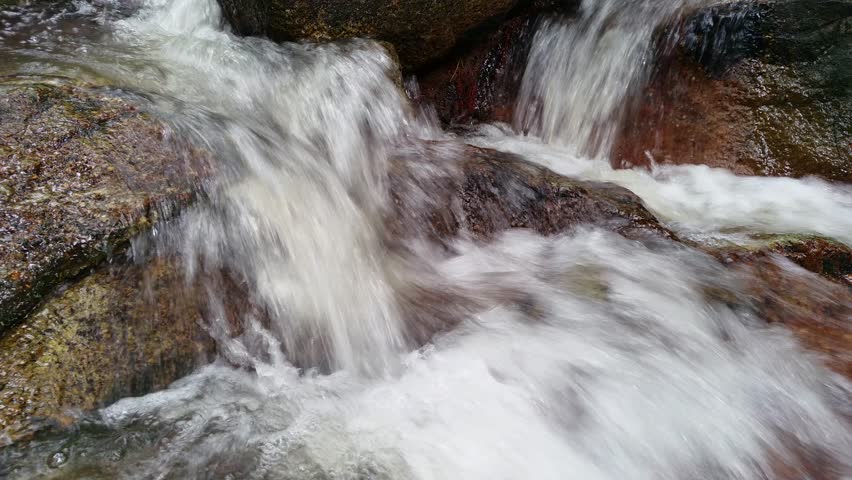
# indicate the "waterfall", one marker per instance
pixel 582 70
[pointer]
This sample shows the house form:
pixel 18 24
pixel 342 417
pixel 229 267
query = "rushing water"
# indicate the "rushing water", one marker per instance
pixel 581 356
pixel 581 70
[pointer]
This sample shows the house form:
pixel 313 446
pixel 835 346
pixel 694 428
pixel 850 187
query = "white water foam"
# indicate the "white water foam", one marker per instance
pixel 699 200
pixel 587 356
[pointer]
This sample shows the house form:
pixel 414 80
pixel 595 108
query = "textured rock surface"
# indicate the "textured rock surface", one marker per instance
pixel 802 283
pixel 483 192
pixel 421 31
pixel 762 88
pixel 819 255
pixel 123 330
pixel 81 171
pixel 817 311
pixel 482 84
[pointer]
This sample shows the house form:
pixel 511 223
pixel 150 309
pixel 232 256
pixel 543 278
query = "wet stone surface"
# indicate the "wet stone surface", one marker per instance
pixel 81 171
pixel 482 192
pixel 123 330
pixel 761 88
pixel 421 31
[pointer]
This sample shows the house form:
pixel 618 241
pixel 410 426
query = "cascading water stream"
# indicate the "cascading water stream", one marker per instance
pixel 624 359
pixel 579 78
pixel 581 71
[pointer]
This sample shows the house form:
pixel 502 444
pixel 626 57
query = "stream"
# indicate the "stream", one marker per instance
pixel 622 366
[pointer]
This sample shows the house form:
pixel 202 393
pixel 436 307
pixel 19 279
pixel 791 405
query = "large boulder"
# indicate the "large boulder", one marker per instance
pixel 97 341
pixel 81 171
pixel 422 32
pixel 762 88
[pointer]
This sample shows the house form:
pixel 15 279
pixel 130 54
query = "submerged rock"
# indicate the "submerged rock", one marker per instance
pixel 422 32
pixel 81 171
pixel 817 311
pixel 453 189
pixel 762 88
pixel 803 283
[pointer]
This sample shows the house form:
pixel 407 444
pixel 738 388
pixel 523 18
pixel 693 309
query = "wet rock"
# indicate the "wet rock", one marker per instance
pixel 816 310
pixel 480 85
pixel 82 171
pixel 449 189
pixel 121 331
pixel 480 82
pixel 762 88
pixel 801 282
pixel 823 256
pixel 125 329
pixel 422 32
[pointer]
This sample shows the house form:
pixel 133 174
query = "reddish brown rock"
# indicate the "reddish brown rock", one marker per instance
pixel 818 312
pixel 481 83
pixel 761 88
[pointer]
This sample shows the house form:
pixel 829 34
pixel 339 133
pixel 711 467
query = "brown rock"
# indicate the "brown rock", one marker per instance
pixel 452 188
pixel 761 88
pixel 100 340
pixel 818 312
pixel 422 32
pixel 481 84
pixel 81 171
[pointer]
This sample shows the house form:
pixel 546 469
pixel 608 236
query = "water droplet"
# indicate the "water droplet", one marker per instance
pixel 57 460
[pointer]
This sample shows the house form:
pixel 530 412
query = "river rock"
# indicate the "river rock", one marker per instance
pixel 801 282
pixel 823 256
pixel 481 83
pixel 762 88
pixel 422 32
pixel 124 330
pixel 82 170
pixel 449 189
pixel 816 310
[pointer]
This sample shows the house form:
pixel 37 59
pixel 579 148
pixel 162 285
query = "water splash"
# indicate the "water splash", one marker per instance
pixel 618 363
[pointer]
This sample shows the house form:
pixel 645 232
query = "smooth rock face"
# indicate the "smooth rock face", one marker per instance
pixel 762 88
pixel 422 32
pixel 81 171
pixel 817 311
pixel 803 283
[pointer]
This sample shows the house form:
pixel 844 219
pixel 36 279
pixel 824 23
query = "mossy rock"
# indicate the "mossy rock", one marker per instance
pixel 422 32
pixel 123 330
pixel 820 255
pixel 82 170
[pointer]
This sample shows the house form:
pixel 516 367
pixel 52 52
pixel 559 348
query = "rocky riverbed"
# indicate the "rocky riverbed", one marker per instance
pixel 298 232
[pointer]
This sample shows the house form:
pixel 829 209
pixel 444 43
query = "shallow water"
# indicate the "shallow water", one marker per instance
pixel 584 355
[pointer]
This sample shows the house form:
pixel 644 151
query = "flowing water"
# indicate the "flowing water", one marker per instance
pixel 584 355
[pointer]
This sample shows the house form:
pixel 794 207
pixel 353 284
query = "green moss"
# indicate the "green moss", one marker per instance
pixel 98 341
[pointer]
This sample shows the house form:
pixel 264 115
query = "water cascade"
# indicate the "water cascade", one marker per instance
pixel 623 359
